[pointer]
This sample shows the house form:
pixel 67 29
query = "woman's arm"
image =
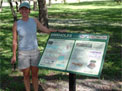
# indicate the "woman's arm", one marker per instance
pixel 14 29
pixel 43 28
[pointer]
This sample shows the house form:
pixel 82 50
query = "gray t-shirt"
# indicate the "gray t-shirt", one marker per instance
pixel 27 38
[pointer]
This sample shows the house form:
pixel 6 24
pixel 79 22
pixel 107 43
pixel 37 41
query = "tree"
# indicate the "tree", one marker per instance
pixel 49 2
pixel 17 9
pixel 12 10
pixel 20 1
pixel 1 1
pixel 34 4
pixel 64 1
pixel 43 15
pixel 29 1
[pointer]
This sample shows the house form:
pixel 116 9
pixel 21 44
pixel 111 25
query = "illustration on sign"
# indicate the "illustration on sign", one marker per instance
pixel 57 53
pixel 89 59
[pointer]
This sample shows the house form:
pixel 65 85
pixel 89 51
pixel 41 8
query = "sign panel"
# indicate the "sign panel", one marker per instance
pixel 57 53
pixel 76 53
pixel 89 58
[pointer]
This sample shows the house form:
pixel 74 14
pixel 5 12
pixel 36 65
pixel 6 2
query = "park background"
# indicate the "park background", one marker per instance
pixel 99 17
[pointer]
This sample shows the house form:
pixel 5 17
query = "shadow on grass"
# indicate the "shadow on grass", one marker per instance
pixel 14 83
pixel 11 83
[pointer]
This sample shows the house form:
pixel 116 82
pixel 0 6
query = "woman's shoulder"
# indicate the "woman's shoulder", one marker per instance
pixel 34 19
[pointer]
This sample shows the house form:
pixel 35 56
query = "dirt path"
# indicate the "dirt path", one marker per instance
pixel 60 82
pixel 83 85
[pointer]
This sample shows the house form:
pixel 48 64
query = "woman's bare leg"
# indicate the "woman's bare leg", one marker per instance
pixel 35 77
pixel 26 73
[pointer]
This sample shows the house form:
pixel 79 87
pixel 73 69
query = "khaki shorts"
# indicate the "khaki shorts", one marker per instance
pixel 28 58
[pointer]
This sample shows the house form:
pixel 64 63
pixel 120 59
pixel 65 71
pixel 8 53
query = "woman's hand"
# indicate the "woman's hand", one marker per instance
pixel 13 60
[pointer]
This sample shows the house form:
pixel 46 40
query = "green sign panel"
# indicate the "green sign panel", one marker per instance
pixel 75 53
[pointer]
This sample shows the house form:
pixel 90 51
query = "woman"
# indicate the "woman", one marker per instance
pixel 28 54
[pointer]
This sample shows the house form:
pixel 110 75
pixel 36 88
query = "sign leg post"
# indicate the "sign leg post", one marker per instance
pixel 72 82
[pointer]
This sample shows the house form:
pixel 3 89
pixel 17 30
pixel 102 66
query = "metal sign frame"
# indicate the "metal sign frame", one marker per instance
pixel 60 53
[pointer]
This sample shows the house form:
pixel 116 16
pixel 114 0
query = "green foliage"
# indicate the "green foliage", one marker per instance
pixel 85 17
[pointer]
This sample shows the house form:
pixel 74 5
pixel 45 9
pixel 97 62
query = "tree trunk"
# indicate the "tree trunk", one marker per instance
pixel 43 15
pixel 17 9
pixel 1 1
pixel 12 10
pixel 64 1
pixel 20 1
pixel 16 2
pixel 29 1
pixel 34 4
pixel 49 2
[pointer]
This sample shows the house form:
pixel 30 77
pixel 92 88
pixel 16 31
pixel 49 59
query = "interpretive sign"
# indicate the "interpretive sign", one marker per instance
pixel 75 53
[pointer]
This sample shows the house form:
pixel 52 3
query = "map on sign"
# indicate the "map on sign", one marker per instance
pixel 77 53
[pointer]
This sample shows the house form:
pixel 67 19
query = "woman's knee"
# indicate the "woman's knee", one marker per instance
pixel 26 75
pixel 34 72
pixel 34 75
pixel 26 72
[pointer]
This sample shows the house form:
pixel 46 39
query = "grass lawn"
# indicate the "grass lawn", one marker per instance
pixel 85 17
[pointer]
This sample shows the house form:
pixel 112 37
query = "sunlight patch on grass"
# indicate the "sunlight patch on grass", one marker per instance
pixel 16 73
pixel 90 7
pixel 71 25
pixel 2 33
pixel 116 24
pixel 56 11
pixel 82 7
pixel 6 51
pixel 6 23
pixel 42 80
